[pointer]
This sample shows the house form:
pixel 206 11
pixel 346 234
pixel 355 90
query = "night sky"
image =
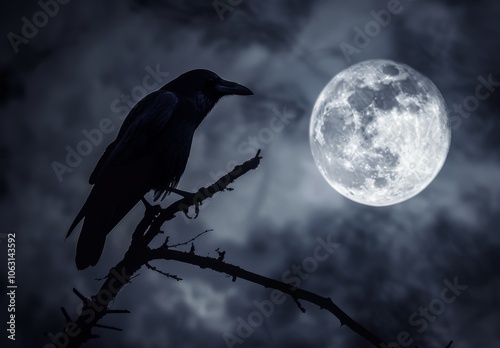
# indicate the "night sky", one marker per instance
pixel 86 66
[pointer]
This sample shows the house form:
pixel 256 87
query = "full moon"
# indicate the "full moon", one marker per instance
pixel 379 132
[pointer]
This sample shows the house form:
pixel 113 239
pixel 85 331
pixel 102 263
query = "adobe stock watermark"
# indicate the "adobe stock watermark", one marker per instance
pixel 295 275
pixel 250 146
pixel 30 27
pixel 261 139
pixel 223 6
pixel 484 90
pixel 363 36
pixel 428 314
pixel 121 107
pixel 94 307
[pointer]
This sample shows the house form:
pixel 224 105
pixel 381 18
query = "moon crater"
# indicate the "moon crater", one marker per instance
pixel 379 132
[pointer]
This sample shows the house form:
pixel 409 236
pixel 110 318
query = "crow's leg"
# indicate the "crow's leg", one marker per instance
pixel 186 195
pixel 179 192
pixel 161 193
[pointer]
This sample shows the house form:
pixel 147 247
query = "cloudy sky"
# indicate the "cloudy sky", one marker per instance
pixel 69 76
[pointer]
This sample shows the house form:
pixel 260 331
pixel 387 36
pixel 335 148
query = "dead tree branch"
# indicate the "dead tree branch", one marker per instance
pixel 164 253
pixel 78 331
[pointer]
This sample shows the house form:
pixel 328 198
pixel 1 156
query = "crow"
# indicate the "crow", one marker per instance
pixel 149 153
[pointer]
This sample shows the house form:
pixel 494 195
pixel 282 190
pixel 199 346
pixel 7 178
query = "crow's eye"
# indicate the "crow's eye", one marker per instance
pixel 210 82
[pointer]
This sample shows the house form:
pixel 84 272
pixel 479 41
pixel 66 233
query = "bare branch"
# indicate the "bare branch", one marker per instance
pixel 108 327
pixel 139 254
pixel 168 275
pixel 66 315
pixel 79 295
pixel 296 293
pixel 195 199
pixel 95 308
pixel 191 240
pixel 117 311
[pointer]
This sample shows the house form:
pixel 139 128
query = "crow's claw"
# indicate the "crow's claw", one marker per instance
pixel 196 203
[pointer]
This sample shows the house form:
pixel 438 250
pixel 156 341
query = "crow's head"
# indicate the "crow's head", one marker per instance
pixel 207 83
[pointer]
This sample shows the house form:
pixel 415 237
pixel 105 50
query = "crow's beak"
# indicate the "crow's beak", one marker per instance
pixel 228 88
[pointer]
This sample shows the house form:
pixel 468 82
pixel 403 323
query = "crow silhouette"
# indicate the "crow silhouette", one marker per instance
pixel 149 153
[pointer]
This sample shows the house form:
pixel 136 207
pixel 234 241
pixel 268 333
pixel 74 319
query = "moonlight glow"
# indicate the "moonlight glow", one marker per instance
pixel 379 132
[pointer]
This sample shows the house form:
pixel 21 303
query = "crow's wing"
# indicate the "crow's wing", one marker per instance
pixel 122 175
pixel 147 118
